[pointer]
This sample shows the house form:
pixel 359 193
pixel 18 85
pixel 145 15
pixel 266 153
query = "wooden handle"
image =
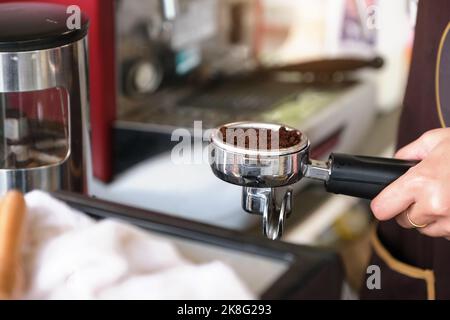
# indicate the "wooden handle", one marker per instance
pixel 332 65
pixel 12 216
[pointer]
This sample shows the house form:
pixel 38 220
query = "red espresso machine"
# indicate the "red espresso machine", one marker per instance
pixel 143 55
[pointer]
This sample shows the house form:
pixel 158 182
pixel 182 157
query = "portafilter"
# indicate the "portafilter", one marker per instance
pixel 267 172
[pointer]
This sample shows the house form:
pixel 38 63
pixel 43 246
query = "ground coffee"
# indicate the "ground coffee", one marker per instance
pixel 262 139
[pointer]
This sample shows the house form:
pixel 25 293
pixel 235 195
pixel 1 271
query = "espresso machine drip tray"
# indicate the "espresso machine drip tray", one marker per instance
pixel 252 99
pixel 244 97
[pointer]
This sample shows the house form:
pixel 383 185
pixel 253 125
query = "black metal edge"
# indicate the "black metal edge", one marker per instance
pixel 303 260
pixel 328 274
pixel 43 43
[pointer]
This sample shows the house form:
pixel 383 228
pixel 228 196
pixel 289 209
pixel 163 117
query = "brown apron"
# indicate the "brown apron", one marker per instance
pixel 414 266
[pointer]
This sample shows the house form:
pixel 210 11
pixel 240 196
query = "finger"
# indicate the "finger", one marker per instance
pixel 421 147
pixel 402 220
pixel 393 200
pixel 413 217
pixel 434 230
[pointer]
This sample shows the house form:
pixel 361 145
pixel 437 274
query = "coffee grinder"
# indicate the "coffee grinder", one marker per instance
pixel 43 97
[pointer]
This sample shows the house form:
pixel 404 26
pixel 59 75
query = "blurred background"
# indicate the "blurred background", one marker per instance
pixel 336 69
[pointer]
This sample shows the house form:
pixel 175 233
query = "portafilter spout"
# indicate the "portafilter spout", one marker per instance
pixel 255 156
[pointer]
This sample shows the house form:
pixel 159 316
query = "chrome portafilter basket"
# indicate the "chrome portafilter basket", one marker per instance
pixel 267 174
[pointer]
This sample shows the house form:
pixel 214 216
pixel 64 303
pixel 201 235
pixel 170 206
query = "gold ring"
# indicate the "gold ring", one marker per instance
pixel 415 225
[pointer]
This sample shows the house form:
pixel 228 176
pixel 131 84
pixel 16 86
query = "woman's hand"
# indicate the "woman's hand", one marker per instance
pixel 421 198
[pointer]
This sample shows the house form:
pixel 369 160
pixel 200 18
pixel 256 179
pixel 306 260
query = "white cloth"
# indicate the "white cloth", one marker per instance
pixel 68 255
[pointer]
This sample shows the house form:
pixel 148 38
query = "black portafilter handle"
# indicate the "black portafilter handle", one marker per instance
pixel 363 177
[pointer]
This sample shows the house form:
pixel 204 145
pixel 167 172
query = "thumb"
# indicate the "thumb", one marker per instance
pixel 420 148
